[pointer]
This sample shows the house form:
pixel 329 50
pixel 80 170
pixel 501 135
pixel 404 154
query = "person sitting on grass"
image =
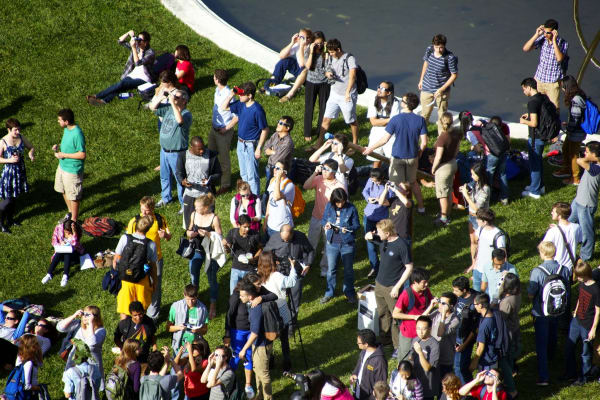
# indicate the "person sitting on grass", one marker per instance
pixel 138 69
pixel 184 69
pixel 67 249
pixel 290 58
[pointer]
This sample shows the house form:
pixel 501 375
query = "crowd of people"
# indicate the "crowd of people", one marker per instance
pixel 439 340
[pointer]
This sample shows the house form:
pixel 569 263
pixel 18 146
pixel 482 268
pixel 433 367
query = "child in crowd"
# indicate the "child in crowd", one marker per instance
pixel 403 383
pixel 67 249
pixel 127 360
pixel 374 212
pixel 29 356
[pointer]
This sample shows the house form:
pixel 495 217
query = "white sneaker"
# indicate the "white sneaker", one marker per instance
pixel 64 280
pixel 249 392
pixel 46 279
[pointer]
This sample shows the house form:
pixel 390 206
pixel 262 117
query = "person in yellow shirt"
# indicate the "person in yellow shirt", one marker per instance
pixel 159 230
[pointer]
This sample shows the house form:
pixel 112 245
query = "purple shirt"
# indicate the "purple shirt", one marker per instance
pixel 549 70
pixel 375 212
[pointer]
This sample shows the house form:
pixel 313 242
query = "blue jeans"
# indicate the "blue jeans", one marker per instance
pixel 195 267
pixel 270 232
pixel 584 216
pixel 236 276
pixel 576 332
pixel 168 163
pixel 287 64
pixel 498 163
pixel 346 252
pixel 461 364
pixel 536 163
pixel 546 329
pixel 372 249
pixel 122 86
pixel 249 165
pixel 477 280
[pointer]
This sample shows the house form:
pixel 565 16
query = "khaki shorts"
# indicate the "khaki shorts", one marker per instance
pixel 403 170
pixel 550 89
pixel 444 176
pixel 69 184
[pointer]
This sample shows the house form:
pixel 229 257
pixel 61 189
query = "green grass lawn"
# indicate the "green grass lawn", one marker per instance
pixel 53 55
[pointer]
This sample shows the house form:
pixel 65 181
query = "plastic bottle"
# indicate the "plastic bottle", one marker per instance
pixel 124 96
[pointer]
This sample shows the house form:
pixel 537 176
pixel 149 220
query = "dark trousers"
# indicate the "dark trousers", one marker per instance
pixel 66 258
pixel 7 210
pixel 311 92
pixel 123 85
pixel 545 329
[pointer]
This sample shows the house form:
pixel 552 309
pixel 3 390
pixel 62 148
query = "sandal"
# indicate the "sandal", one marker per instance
pixel 284 99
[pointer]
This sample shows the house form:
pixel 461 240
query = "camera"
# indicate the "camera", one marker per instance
pixel 166 94
pixel 391 184
pixel 189 326
pixel 237 90
pixel 285 266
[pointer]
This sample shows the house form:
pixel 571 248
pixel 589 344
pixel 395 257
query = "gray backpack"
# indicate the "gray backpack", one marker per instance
pixel 150 388
pixel 85 390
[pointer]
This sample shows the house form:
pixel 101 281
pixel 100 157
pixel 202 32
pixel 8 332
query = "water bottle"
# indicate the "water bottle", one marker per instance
pixel 124 96
pixel 328 135
pixel 146 268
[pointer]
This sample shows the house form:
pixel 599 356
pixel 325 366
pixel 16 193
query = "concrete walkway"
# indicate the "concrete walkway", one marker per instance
pixel 203 21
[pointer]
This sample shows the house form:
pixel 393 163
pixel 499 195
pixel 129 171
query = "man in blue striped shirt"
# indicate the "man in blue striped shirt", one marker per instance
pixel 440 70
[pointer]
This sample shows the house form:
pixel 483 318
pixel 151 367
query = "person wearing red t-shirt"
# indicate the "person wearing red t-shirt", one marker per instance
pixel 411 304
pixel 193 388
pixel 184 69
pixel 484 386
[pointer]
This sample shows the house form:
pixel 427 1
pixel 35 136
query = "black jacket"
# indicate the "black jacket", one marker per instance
pixel 375 370
pixel 237 314
pixel 214 168
pixel 299 248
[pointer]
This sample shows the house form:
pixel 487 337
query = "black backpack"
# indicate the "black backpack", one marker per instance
pixel 133 258
pixel 362 82
pixel 468 321
pixel 495 139
pixel 548 121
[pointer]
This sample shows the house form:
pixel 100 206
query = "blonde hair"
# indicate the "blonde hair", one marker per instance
pixel 387 226
pixel 242 185
pixel 143 224
pixel 97 321
pixel 547 249
pixel 206 200
pixel 29 349
pixel 149 202
pixel 446 121
pixel 128 353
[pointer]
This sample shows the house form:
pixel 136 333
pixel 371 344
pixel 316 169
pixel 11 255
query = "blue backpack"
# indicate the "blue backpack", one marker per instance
pixel 591 118
pixel 15 385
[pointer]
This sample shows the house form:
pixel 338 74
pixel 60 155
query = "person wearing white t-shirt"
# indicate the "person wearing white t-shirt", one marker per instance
pixel 338 146
pixel 572 235
pixel 487 240
pixel 289 59
pixel 281 197
pixel 379 113
pixel 221 132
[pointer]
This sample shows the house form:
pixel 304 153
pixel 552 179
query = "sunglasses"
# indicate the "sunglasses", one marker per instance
pixel 334 143
pixel 547 33
pixel 177 97
pixel 244 195
pixel 11 319
pixel 383 89
pixel 43 326
pixel 278 168
pixel 283 124
pixel 327 169
pixel 87 314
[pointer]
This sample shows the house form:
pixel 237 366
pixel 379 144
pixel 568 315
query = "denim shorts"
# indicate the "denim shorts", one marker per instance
pixel 473 222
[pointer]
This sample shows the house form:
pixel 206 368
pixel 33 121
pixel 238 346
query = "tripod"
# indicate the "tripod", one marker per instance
pixel 294 312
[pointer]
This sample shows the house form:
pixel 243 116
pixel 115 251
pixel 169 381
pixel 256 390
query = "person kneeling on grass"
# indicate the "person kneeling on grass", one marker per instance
pixel 65 240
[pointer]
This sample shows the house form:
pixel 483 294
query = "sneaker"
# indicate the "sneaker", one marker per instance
pixel 324 299
pixel 571 181
pixel 421 211
pixel 504 202
pixel 442 222
pixel 46 279
pixel 395 353
pixel 561 174
pixel 161 203
pixel 180 211
pixel 249 392
pixel 527 193
pixel 64 280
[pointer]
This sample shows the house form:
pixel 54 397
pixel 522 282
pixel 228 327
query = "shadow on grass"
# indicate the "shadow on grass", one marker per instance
pixel 14 107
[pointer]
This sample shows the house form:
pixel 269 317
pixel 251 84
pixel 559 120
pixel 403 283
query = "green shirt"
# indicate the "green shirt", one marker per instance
pixel 72 142
pixel 192 319
pixel 172 135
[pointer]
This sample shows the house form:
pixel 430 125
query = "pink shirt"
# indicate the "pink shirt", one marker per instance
pixel 323 191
